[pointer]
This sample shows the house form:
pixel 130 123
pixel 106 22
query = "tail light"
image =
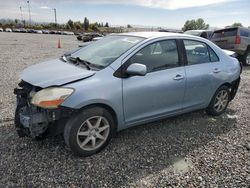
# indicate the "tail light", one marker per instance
pixel 237 39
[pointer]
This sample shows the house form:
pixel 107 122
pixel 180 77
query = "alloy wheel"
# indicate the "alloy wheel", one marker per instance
pixel 221 101
pixel 93 133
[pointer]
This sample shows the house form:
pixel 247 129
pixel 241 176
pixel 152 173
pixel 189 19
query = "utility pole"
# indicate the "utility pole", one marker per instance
pixel 55 15
pixel 29 11
pixel 21 13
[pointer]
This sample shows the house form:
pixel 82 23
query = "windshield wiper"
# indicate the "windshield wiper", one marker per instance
pixel 78 60
pixel 87 64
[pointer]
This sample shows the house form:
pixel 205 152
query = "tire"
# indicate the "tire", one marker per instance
pixel 81 132
pixel 246 58
pixel 217 107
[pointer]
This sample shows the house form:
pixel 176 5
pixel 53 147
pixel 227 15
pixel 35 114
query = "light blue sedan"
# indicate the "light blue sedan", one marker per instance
pixel 121 81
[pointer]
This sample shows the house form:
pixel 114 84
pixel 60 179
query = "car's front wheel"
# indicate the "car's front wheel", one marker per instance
pixel 219 102
pixel 89 131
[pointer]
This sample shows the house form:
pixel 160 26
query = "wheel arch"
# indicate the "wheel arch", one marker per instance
pixel 233 87
pixel 248 48
pixel 106 107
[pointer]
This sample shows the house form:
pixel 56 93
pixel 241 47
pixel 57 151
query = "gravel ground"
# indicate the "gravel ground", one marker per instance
pixel 191 150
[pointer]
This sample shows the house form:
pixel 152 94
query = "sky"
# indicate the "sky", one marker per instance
pixel 151 13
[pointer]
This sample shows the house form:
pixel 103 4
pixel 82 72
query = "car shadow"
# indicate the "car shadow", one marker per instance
pixel 135 153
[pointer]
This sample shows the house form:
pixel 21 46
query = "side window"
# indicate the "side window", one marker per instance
pixel 158 56
pixel 197 52
pixel 244 32
pixel 213 56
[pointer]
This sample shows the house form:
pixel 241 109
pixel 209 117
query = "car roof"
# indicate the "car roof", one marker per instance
pixel 230 28
pixel 198 30
pixel 149 35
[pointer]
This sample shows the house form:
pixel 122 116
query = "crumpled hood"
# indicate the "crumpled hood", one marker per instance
pixel 54 73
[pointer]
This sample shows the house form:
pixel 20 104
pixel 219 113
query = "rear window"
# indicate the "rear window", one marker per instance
pixel 244 32
pixel 225 33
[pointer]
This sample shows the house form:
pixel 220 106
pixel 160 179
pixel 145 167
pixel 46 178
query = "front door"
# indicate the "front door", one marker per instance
pixel 160 92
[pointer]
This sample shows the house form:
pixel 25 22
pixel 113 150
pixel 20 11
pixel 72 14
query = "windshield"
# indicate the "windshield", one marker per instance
pixel 105 51
pixel 225 33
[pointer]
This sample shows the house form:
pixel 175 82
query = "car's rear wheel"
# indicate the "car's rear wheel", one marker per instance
pixel 89 131
pixel 219 102
pixel 246 58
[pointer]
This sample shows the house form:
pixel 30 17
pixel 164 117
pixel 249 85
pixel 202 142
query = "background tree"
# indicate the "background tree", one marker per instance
pixel 129 26
pixel 106 24
pixel 70 24
pixel 195 24
pixel 93 26
pixel 16 21
pixel 86 24
pixel 237 24
pixel 77 25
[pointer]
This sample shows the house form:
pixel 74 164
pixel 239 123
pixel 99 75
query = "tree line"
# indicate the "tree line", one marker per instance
pixel 87 26
pixel 69 25
pixel 200 24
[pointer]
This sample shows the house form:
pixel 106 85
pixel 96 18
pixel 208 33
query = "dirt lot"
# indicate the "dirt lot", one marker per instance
pixel 191 150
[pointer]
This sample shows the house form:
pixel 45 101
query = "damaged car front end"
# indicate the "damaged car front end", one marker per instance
pixel 38 113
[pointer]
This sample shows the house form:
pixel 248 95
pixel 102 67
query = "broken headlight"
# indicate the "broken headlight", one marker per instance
pixel 51 98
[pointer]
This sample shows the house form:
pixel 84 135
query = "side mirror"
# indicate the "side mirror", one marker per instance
pixel 137 69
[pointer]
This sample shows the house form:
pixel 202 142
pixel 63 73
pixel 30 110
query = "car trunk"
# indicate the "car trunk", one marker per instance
pixel 226 38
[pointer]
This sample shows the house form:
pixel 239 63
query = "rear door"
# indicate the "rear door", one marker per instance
pixel 202 70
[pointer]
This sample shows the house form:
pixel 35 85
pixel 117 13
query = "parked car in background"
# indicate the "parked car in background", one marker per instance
pixel 45 31
pixel 121 81
pixel 38 31
pixel 23 30
pixel 52 32
pixel 171 30
pixel 236 39
pixel 58 32
pixel 1 29
pixel 67 33
pixel 16 30
pixel 88 36
pixel 200 33
pixel 8 30
pixel 31 30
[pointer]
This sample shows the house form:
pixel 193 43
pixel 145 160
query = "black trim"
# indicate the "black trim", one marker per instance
pixel 234 88
pixel 182 52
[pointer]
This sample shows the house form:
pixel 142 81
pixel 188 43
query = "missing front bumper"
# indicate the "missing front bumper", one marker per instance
pixel 34 121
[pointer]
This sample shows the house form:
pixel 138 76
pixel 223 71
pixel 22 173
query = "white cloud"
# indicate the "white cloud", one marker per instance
pixel 164 4
pixel 45 7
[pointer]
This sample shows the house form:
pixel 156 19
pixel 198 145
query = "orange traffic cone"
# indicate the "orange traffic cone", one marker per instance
pixel 59 44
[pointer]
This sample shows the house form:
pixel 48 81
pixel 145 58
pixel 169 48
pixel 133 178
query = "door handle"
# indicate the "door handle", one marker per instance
pixel 216 70
pixel 178 77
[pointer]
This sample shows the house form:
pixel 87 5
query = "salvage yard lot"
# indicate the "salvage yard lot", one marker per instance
pixel 189 150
